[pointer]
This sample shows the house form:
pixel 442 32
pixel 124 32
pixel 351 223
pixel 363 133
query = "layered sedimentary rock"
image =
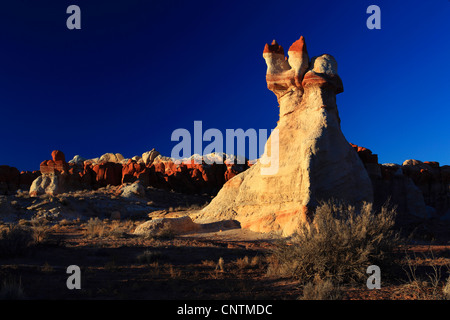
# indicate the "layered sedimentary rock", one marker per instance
pixel 415 188
pixel 193 176
pixel 54 175
pixel 314 161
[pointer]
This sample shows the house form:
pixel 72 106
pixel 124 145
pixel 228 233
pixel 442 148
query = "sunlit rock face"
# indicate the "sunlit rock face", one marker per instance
pixel 313 160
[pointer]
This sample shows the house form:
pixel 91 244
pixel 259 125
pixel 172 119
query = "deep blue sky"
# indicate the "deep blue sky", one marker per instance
pixel 137 70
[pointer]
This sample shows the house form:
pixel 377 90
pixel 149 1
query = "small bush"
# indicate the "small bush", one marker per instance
pixel 14 241
pixel 321 290
pixel 116 230
pixel 166 233
pixel 41 230
pixel 95 228
pixel 338 245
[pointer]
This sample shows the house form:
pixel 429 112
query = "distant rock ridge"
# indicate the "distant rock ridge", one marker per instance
pixel 192 175
pixel 419 189
pixel 416 188
pixel 11 179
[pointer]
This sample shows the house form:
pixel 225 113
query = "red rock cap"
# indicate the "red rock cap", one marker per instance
pixel 58 156
pixel 299 45
pixel 273 48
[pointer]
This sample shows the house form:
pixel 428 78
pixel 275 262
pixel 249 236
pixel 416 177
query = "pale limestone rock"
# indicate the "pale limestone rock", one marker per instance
pixel 176 226
pixel 149 156
pixel 109 157
pixel 78 160
pixel 51 184
pixel 315 161
pixel 119 157
pixel 135 189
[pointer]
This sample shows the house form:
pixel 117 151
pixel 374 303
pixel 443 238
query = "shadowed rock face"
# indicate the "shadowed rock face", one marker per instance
pixel 417 189
pixel 315 161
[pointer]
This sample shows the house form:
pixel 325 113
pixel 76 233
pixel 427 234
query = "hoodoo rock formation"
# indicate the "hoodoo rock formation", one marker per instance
pixel 307 160
pixel 315 161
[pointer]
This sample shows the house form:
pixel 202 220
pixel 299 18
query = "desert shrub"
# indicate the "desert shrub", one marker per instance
pixel 95 228
pixel 339 245
pixel 165 233
pixel 120 229
pixel 320 290
pixel 41 230
pixel 14 241
pixel 116 230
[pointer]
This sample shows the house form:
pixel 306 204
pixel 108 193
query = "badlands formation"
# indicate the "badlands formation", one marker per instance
pixel 309 161
pixel 315 161
pixel 152 169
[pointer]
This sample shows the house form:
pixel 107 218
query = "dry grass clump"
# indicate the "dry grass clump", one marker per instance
pixel 338 246
pixel 430 285
pixel 11 289
pixel 22 194
pixel 246 262
pixel 118 229
pixel 321 290
pixel 165 233
pixel 95 228
pixel 41 230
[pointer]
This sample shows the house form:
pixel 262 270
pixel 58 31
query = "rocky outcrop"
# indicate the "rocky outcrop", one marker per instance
pixel 149 156
pixel 54 175
pixel 9 179
pixel 314 161
pixel 51 184
pixel 174 226
pixel 193 176
pixel 131 190
pixel 417 189
pixel 12 180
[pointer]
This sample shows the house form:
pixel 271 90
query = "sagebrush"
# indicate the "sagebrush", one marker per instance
pixel 339 244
